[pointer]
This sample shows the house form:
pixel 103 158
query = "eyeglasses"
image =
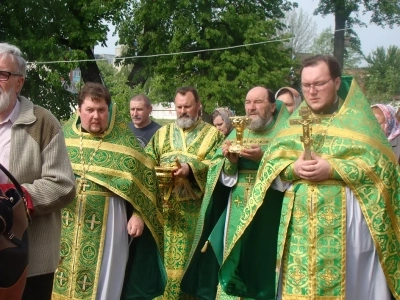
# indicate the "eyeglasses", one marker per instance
pixel 4 75
pixel 317 86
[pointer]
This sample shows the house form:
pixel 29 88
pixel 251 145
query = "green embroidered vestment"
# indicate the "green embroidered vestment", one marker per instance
pixel 195 146
pixel 201 276
pixel 312 233
pixel 119 168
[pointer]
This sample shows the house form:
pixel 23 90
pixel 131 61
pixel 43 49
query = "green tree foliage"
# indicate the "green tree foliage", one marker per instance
pixel 222 77
pixel 57 30
pixel 323 44
pixel 116 82
pixel 347 12
pixel 383 79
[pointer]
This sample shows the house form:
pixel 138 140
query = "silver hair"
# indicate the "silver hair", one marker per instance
pixel 15 54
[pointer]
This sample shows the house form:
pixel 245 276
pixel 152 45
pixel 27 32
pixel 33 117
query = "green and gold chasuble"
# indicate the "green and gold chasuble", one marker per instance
pixel 195 146
pixel 211 241
pixel 118 167
pixel 312 232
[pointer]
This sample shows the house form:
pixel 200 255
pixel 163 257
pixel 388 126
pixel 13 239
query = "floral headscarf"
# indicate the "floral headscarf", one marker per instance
pixel 392 126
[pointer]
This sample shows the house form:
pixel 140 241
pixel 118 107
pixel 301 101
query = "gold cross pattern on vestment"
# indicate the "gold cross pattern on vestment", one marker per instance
pixel 62 278
pixel 92 221
pixel 67 217
pixel 82 185
pixel 84 283
pixel 306 119
pixel 238 202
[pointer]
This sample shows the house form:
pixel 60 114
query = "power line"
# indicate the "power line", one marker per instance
pixel 158 55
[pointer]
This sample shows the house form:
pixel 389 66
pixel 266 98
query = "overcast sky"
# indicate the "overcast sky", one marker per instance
pixel 371 37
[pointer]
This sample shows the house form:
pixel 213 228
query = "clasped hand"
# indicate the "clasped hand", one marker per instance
pixel 316 169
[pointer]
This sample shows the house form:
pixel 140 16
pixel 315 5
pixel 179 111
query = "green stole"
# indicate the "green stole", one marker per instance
pixel 195 146
pixel 119 168
pixel 311 243
pixel 201 275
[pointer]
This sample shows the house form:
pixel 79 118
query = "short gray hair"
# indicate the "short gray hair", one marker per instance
pixel 15 54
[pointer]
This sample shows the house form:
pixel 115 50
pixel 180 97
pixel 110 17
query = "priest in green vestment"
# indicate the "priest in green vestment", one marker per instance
pixel 229 183
pixel 339 232
pixel 189 144
pixel 117 198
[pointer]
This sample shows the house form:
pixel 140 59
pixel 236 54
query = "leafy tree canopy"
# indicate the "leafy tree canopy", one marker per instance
pixel 222 77
pixel 383 80
pixel 57 30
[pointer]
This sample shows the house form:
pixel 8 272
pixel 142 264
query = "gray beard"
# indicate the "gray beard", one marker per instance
pixel 185 123
pixel 257 124
pixel 5 99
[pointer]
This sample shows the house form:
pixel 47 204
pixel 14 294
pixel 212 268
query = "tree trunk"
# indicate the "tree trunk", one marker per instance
pixel 89 70
pixel 340 22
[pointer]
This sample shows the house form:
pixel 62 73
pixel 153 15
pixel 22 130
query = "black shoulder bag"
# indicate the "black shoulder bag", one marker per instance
pixel 14 220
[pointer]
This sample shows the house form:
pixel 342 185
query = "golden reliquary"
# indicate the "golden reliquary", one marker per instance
pixel 240 123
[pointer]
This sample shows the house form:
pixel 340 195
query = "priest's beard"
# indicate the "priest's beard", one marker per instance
pixel 185 121
pixel 258 124
pixel 6 99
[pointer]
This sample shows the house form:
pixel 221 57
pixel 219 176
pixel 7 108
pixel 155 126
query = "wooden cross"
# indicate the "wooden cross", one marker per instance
pixel 82 185
pixel 92 222
pixel 305 121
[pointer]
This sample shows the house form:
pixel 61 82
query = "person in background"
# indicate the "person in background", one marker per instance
pixel 386 116
pixel 32 148
pixel 290 97
pixel 221 120
pixel 142 126
pixel 192 143
pixel 117 198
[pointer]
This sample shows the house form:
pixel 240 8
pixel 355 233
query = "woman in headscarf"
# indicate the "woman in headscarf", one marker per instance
pixel 386 116
pixel 221 120
pixel 290 97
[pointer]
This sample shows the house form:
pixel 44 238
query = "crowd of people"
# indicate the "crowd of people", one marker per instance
pixel 306 208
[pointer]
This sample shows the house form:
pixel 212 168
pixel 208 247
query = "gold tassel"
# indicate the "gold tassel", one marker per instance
pixel 204 249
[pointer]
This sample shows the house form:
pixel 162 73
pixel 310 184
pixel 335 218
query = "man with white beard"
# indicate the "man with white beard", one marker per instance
pixel 32 147
pixel 193 142
pixel 229 183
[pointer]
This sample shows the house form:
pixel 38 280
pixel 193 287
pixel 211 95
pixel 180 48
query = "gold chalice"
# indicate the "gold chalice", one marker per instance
pixel 240 123
pixel 166 182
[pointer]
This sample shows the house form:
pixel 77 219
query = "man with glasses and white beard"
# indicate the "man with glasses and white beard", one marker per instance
pixel 193 143
pixel 32 147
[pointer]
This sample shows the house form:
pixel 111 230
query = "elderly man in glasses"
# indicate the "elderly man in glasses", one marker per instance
pixel 32 147
pixel 339 224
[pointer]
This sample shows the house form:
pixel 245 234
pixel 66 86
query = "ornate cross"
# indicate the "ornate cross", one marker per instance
pixel 306 120
pixel 84 283
pixel 62 278
pixel 92 222
pixel 67 217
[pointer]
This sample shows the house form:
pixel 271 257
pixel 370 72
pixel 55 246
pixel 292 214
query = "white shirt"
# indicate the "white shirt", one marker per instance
pixel 5 140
